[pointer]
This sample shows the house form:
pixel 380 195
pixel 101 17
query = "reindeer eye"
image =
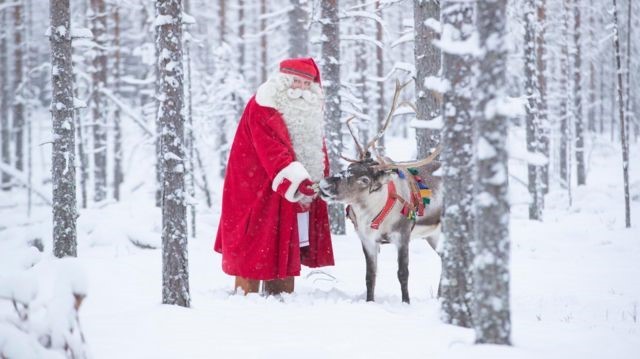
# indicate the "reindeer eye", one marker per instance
pixel 364 180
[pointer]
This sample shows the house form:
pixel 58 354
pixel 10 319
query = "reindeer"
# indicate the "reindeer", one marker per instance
pixel 384 202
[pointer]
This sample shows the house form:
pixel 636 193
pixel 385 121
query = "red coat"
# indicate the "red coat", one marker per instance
pixel 258 230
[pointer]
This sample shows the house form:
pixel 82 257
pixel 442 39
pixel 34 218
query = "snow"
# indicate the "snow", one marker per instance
pixel 81 33
pixel 573 293
pixel 437 84
pixel 161 20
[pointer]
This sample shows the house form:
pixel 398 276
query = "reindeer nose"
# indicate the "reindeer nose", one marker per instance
pixel 327 186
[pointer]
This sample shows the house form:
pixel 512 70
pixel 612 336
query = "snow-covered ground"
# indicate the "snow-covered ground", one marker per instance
pixel 575 288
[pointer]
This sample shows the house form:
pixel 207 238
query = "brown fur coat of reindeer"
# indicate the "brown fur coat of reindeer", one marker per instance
pixel 380 193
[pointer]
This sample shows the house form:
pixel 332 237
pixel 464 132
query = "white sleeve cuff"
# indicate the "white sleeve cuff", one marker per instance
pixel 295 173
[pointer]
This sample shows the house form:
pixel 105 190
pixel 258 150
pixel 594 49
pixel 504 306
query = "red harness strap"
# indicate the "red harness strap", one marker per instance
pixel 391 199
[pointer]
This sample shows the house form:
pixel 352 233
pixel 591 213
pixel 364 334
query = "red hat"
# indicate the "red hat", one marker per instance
pixel 303 67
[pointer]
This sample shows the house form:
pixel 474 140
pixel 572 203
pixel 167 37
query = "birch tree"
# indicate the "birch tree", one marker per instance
pixel 428 62
pixel 175 271
pixel 457 161
pixel 491 312
pixel 63 153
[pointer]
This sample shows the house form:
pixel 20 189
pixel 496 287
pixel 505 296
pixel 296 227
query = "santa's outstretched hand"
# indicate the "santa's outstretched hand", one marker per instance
pixel 308 188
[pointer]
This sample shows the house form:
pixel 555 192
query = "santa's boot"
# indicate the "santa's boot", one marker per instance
pixel 279 286
pixel 247 285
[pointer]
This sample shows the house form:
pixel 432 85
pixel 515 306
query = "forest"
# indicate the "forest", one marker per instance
pixel 117 128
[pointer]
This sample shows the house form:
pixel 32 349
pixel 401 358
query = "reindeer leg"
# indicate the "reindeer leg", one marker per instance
pixel 403 268
pixel 372 261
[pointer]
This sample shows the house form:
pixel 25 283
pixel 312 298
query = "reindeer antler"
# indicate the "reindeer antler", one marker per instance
pixel 394 106
pixel 386 165
pixel 361 152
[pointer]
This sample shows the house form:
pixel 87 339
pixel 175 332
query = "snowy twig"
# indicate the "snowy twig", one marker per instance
pixel 127 111
pixel 21 177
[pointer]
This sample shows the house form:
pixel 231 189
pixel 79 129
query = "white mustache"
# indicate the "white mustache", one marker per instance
pixel 305 94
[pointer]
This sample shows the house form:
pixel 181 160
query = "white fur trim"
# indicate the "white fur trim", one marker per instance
pixel 266 93
pixel 295 173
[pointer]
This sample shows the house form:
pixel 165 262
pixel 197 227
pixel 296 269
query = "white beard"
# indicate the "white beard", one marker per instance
pixel 304 120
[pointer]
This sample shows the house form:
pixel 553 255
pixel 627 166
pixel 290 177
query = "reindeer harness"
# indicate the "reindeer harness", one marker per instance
pixel 420 197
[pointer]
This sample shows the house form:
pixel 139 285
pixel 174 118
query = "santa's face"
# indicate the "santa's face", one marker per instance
pixel 300 83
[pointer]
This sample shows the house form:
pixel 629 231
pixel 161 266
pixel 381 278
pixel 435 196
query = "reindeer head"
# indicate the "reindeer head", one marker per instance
pixel 366 175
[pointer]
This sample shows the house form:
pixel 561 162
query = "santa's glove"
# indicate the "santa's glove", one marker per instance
pixel 308 188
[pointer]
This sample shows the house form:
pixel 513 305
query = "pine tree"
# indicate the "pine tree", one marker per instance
pixel 427 61
pixel 63 153
pixel 491 312
pixel 457 162
pixel 533 125
pixel 624 125
pixel 581 174
pixel 5 136
pixel 18 102
pixel 298 35
pixel 175 271
pixel 98 105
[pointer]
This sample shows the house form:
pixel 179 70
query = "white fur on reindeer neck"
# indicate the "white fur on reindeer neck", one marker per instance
pixel 302 114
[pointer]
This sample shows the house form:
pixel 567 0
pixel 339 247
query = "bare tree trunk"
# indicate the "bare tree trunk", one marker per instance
pixel 263 41
pixel 624 126
pixel 491 311
pixel 117 132
pixel 543 108
pixel 190 140
pixel 29 64
pixel 380 116
pixel 18 102
pixel 298 35
pixel 99 111
pixel 577 80
pixel 175 270
pixel 457 162
pixel 564 108
pixel 222 17
pixel 63 169
pixel 241 40
pixel 332 114
pixel 591 126
pixel 5 136
pixel 223 141
pixel 533 123
pixel 427 60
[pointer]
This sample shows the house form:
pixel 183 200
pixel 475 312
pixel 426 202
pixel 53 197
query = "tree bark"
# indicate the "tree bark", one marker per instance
pixel 532 117
pixel 543 107
pixel 118 176
pixel 18 102
pixel 581 175
pixel 63 153
pixel 624 126
pixel 298 35
pixel 380 115
pixel 99 111
pixel 428 62
pixel 5 136
pixel 491 311
pixel 332 114
pixel 175 271
pixel 457 162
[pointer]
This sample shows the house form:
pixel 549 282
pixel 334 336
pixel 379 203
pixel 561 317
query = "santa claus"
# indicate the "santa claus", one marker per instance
pixel 272 220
